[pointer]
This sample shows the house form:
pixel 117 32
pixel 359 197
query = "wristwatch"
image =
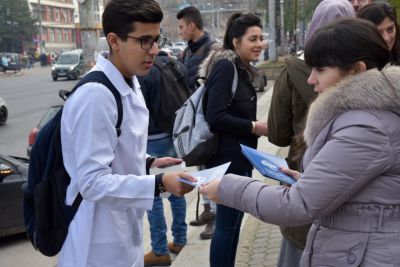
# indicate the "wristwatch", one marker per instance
pixel 163 192
pixel 160 190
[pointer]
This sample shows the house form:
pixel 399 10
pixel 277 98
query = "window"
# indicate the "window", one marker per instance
pixel 59 35
pixel 52 37
pixel 56 15
pixel 66 36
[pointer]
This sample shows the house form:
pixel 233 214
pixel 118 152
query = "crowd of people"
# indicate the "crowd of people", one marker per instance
pixel 337 106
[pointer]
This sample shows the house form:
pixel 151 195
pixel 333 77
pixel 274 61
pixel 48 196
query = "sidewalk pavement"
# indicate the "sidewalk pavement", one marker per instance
pixel 259 242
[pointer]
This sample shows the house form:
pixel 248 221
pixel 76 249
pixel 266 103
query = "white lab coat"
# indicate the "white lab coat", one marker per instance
pixel 107 229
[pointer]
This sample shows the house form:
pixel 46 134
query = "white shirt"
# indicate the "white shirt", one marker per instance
pixel 107 229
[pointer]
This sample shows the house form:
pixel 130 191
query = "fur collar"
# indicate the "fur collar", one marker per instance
pixel 368 90
pixel 213 57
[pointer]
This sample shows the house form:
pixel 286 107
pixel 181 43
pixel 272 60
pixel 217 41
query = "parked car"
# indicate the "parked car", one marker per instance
pixel 69 65
pixel 50 113
pixel 177 51
pixel 14 62
pixel 13 173
pixel 179 43
pixel 260 81
pixel 3 111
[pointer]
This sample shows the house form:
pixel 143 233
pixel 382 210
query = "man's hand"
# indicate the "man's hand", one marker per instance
pixel 172 185
pixel 164 162
pixel 210 190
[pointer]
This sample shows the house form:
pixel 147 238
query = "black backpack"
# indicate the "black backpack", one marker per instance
pixel 46 216
pixel 174 91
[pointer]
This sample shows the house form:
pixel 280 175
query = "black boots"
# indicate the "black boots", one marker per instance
pixel 209 230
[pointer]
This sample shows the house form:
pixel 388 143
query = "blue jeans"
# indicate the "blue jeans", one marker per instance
pixel 158 227
pixel 226 235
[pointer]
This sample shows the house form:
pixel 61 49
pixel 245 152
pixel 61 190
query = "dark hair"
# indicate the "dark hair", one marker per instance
pixel 376 13
pixel 237 26
pixel 119 15
pixel 191 14
pixel 346 41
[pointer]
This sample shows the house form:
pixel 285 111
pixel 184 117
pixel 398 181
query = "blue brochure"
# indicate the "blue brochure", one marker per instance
pixel 267 164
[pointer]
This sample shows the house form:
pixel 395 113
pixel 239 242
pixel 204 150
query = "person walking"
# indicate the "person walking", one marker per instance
pixel 233 118
pixel 349 187
pixel 291 98
pixel 109 171
pixel 190 24
pixel 159 144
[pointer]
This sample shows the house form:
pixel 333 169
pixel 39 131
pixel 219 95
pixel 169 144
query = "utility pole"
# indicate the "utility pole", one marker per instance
pixel 283 38
pixel 39 7
pixel 88 31
pixel 272 34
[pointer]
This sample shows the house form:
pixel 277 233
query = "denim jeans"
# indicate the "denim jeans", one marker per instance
pixel 226 235
pixel 158 227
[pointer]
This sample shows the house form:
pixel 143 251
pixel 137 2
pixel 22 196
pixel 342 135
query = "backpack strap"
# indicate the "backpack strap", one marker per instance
pixel 234 84
pixel 99 77
pixel 158 63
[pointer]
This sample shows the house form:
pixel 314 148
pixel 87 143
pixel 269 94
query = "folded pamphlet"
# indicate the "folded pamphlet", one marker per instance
pixel 207 175
pixel 267 164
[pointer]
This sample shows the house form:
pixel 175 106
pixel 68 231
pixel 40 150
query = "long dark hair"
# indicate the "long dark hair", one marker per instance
pixel 237 26
pixel 346 41
pixel 376 13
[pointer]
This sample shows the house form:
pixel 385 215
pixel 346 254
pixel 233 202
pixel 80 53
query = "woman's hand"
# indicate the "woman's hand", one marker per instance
pixel 164 162
pixel 210 190
pixel 260 128
pixel 294 174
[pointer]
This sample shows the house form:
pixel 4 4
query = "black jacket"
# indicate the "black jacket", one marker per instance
pixel 193 55
pixel 232 122
pixel 150 86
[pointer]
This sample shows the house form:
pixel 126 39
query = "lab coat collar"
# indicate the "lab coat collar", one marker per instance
pixel 115 75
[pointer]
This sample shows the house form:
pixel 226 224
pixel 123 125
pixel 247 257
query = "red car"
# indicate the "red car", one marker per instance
pixel 34 132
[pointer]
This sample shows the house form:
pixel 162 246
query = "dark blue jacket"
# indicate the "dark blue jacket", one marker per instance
pixel 150 86
pixel 193 55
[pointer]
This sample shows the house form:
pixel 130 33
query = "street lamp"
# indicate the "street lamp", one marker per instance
pixel 283 39
pixel 40 27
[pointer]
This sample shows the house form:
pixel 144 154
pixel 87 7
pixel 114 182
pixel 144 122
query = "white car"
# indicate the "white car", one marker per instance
pixel 3 111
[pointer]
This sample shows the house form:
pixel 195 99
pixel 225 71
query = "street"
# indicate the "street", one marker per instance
pixel 28 95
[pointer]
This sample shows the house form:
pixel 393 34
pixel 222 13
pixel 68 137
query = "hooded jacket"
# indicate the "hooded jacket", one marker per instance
pixel 351 181
pixel 229 116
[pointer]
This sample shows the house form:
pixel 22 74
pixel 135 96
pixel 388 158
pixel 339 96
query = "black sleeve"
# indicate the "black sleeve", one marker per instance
pixel 219 95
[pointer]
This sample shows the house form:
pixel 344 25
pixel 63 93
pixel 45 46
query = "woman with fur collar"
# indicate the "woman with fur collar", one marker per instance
pixel 350 186
pixel 233 117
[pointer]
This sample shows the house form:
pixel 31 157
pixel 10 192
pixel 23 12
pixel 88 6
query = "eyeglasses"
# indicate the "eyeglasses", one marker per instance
pixel 147 43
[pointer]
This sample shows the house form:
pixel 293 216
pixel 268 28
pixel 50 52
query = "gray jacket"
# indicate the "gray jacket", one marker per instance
pixel 351 181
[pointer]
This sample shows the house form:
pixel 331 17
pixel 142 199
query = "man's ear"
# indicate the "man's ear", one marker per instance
pixel 359 67
pixel 113 40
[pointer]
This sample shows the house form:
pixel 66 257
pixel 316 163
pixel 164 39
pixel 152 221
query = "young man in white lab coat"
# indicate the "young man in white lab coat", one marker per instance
pixel 109 171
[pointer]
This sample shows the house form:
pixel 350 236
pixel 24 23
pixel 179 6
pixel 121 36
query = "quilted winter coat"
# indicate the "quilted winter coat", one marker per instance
pixel 350 187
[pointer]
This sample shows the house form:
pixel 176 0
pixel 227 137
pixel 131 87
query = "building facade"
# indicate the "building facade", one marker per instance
pixel 57 30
